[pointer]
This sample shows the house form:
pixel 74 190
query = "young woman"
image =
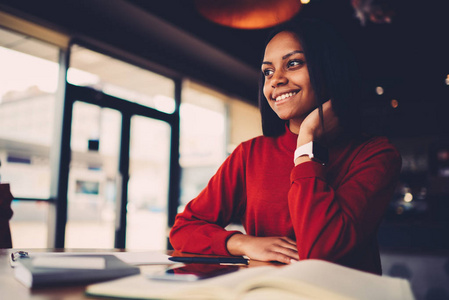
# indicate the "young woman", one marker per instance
pixel 313 186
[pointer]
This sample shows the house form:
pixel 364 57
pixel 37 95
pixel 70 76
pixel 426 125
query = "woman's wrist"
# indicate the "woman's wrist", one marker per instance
pixel 235 243
pixel 302 159
pixel 304 138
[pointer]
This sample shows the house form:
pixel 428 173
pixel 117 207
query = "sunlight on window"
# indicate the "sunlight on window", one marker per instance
pixel 202 136
pixel 19 71
pixel 29 80
pixel 28 85
pixel 120 79
pixel 79 77
pixel 148 184
pixel 93 176
pixel 213 120
pixel 164 103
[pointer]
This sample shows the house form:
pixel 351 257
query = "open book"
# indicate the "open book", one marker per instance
pixel 308 279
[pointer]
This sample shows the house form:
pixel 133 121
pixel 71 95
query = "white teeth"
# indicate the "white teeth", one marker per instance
pixel 283 96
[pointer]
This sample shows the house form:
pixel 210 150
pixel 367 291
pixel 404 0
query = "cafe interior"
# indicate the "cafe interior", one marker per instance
pixel 115 114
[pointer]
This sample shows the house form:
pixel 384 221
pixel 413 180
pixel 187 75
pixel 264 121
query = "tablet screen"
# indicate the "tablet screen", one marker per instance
pixel 193 272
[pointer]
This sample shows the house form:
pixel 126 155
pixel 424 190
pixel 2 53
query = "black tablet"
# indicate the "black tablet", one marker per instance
pixel 193 272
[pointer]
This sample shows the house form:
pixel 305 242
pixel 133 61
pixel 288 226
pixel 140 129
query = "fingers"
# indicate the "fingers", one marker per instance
pixel 287 246
pixel 284 250
pixel 281 249
pixel 289 241
pixel 283 258
pixel 287 252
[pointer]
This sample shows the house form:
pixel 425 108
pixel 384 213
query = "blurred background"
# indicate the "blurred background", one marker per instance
pixel 99 99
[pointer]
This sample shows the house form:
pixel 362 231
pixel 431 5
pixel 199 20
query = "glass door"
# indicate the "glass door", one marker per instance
pixel 123 169
pixel 148 184
pixel 93 176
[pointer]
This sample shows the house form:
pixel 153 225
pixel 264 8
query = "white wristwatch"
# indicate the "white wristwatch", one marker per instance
pixel 314 151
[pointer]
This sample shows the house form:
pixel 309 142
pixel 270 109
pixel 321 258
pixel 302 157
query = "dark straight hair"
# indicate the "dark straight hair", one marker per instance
pixel 333 75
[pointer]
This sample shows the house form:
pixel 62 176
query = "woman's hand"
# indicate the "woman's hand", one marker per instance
pixel 311 129
pixel 281 249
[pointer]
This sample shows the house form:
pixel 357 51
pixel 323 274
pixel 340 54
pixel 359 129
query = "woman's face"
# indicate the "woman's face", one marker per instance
pixel 287 84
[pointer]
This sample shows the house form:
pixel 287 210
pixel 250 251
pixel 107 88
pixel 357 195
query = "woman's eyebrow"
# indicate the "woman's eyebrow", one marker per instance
pixel 283 57
pixel 291 53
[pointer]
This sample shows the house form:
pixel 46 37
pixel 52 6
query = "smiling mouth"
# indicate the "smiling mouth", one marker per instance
pixel 285 96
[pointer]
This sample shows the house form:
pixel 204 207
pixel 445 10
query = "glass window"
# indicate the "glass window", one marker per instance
pixel 29 78
pixel 120 79
pixel 212 125
pixel 245 123
pixel 203 116
pixel 29 224
pixel 148 184
pixel 93 175
pixel 148 161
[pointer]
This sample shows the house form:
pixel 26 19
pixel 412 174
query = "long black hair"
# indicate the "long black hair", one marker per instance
pixel 333 75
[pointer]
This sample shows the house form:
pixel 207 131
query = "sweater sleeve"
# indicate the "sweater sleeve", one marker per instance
pixel 329 223
pixel 200 227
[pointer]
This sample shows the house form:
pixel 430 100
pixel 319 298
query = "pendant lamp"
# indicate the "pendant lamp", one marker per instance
pixel 248 14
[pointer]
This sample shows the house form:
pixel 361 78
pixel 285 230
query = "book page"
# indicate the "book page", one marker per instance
pixel 308 279
pixel 139 287
pixel 319 279
pixel 269 293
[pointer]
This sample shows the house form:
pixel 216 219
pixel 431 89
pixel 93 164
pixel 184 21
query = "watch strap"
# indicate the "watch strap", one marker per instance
pixel 314 151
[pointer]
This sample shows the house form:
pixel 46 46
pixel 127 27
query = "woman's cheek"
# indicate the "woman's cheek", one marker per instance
pixel 266 92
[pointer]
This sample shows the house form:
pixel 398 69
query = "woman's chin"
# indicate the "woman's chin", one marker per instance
pixel 283 116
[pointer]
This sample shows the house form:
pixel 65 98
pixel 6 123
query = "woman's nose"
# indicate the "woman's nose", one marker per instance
pixel 278 79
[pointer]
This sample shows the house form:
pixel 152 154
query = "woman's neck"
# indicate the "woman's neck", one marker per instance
pixel 294 125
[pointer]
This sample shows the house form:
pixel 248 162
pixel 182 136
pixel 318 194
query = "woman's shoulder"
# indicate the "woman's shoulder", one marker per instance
pixel 369 144
pixel 371 140
pixel 261 139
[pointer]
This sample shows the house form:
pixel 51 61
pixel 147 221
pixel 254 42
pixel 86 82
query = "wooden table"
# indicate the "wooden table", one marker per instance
pixel 12 289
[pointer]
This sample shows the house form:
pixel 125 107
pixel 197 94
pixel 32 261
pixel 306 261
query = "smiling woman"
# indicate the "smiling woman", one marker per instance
pixel 312 186
pixel 329 65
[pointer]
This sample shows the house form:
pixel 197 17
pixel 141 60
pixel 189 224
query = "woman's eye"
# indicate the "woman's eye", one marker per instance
pixel 296 62
pixel 267 72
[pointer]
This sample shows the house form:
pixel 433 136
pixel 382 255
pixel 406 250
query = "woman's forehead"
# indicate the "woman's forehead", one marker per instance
pixel 282 42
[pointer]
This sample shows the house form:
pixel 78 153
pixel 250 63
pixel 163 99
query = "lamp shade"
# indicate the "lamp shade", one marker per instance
pixel 248 14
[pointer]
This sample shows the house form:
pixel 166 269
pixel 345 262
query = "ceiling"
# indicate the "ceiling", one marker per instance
pixel 409 57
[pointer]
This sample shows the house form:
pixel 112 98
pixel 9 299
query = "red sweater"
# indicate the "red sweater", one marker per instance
pixel 332 211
